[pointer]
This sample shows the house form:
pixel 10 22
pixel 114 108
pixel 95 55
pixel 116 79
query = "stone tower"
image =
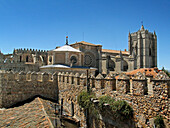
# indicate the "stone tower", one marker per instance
pixel 143 47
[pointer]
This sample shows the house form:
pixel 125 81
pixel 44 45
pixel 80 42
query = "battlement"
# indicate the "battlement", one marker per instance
pixel 30 50
pixel 147 96
pixel 137 89
pixel 19 86
pixel 137 85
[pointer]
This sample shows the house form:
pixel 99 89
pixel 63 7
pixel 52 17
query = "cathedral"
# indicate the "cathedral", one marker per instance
pixel 80 56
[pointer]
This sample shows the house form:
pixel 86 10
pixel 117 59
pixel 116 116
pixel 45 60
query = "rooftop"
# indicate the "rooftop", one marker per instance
pixel 148 71
pixel 86 43
pixel 31 114
pixel 115 51
pixel 66 48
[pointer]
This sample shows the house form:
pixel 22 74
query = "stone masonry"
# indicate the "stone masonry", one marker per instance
pixel 147 96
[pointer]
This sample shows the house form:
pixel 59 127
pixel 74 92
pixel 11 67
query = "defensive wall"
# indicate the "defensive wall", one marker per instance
pixel 147 96
pixel 17 87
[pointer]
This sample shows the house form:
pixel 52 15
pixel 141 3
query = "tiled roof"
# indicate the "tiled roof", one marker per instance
pixel 87 43
pixel 115 51
pixel 31 114
pixel 148 71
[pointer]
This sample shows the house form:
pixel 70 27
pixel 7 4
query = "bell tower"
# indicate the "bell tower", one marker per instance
pixel 143 47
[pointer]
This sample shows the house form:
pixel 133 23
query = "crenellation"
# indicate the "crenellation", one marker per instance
pixel 123 84
pixel 22 76
pixel 92 81
pixel 77 79
pixel 46 77
pixel 83 79
pixel 99 81
pixel 134 89
pixel 25 86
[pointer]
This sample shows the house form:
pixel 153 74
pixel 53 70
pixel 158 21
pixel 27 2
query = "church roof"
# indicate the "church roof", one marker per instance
pixel 115 51
pixel 86 43
pixel 66 48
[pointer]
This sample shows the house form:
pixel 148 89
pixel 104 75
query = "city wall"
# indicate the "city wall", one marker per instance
pixel 17 87
pixel 148 96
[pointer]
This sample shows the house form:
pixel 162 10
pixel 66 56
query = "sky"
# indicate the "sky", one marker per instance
pixel 44 24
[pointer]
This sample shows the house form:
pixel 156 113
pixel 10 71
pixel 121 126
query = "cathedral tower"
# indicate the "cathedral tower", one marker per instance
pixel 143 47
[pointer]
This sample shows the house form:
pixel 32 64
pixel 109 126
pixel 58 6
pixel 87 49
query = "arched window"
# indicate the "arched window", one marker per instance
pixel 150 53
pixel 150 49
pixel 26 58
pixel 50 59
pixel 73 60
pixel 124 65
pixel 111 65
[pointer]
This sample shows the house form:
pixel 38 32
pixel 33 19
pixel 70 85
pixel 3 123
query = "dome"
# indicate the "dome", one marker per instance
pixel 66 48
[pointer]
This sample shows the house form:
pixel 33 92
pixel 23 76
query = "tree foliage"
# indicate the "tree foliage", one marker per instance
pixel 84 100
pixel 119 109
pixel 122 109
pixel 105 100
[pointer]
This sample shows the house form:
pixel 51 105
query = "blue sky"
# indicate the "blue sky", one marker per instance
pixel 43 24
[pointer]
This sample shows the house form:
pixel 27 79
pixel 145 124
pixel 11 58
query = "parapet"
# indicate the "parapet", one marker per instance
pixel 29 76
pixel 29 51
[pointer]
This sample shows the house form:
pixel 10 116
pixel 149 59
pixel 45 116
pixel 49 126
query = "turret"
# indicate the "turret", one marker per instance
pixel 129 42
pixel 154 35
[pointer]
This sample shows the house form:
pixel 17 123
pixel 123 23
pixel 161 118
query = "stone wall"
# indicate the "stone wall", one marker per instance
pixel 148 96
pixel 70 85
pixel 134 90
pixel 17 87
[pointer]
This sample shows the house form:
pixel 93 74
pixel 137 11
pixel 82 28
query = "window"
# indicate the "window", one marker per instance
pixel 124 65
pixel 50 59
pixel 26 58
pixel 73 60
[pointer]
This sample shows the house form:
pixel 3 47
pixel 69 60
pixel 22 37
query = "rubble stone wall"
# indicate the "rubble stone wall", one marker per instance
pixel 134 90
pixel 17 87
pixel 148 97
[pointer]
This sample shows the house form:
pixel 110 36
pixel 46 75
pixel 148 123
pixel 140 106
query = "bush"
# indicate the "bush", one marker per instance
pixel 122 109
pixel 84 100
pixel 159 123
pixel 103 100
